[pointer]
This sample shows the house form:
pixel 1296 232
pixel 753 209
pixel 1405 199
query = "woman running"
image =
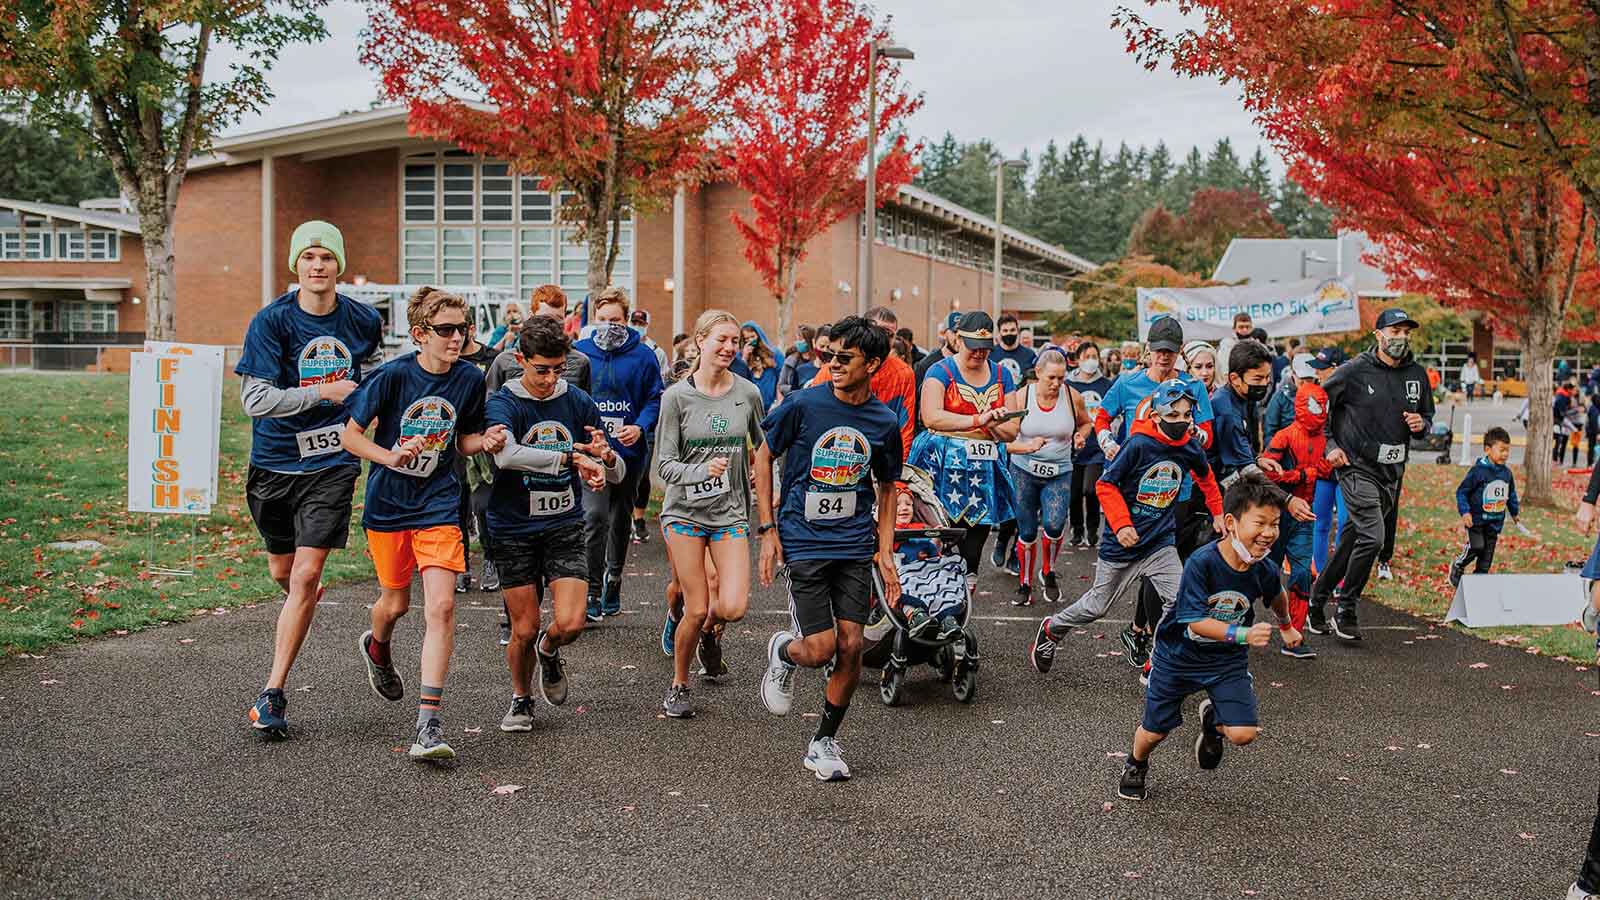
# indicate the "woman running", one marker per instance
pixel 709 423
pixel 962 406
pixel 1091 382
pixel 1056 425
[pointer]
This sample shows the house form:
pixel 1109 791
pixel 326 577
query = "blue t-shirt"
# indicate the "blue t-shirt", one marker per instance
pixel 1212 589
pixel 827 448
pixel 529 503
pixel 1134 388
pixel 1488 493
pixel 407 400
pixel 1149 475
pixel 291 348
pixel 804 372
pixel 1230 438
pixel 1016 361
pixel 1094 393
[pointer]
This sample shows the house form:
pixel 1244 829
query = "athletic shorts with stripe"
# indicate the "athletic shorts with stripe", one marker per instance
pixel 825 591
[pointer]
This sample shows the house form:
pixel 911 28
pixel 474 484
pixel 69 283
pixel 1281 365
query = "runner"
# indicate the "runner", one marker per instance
pixel 474 479
pixel 1057 424
pixel 1090 460
pixel 831 437
pixel 426 407
pixel 303 356
pixel 535 516
pixel 639 321
pixel 1018 361
pixel 627 388
pixel 708 423
pixel 894 384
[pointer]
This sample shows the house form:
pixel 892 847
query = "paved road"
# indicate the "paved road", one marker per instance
pixel 1392 770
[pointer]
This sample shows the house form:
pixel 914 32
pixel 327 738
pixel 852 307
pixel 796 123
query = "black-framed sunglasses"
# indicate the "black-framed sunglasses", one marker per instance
pixel 448 330
pixel 545 370
pixel 828 356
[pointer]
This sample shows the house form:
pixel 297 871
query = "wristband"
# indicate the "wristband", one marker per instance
pixel 1232 637
pixel 761 530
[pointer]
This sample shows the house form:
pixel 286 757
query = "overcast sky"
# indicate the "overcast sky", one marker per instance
pixel 1019 72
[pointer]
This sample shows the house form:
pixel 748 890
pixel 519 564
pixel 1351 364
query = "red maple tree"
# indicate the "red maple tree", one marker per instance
pixel 798 136
pixel 610 100
pixel 1398 115
pixel 1196 240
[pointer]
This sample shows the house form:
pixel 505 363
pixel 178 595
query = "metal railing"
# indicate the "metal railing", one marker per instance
pixel 90 358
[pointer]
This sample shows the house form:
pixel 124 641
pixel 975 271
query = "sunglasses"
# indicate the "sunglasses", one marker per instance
pixel 545 370
pixel 845 359
pixel 448 330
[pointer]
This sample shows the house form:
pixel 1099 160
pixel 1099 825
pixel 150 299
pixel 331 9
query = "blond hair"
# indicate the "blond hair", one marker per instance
pixel 612 294
pixel 427 302
pixel 708 320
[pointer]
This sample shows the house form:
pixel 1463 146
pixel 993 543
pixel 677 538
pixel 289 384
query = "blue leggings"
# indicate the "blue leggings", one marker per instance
pixel 1327 499
pixel 1041 501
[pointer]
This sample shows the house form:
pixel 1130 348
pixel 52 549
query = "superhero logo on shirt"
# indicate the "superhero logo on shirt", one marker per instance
pixel 1495 495
pixel 1413 391
pixel 1227 606
pixel 1159 484
pixel 840 457
pixel 433 418
pixel 325 360
pixel 1313 407
pixel 548 435
pixel 1091 401
pixel 1010 365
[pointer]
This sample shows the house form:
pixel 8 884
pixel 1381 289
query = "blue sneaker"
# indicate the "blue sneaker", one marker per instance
pixel 591 612
pixel 669 634
pixel 266 716
pixel 1301 651
pixel 611 599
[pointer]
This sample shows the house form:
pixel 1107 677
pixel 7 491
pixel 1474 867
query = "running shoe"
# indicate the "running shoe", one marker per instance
pixel 1137 645
pixel 490 579
pixel 591 612
pixel 430 742
pixel 1345 627
pixel 611 598
pixel 824 757
pixel 712 665
pixel 669 634
pixel 1051 588
pixel 777 685
pixel 385 680
pixel 677 703
pixel 949 628
pixel 463 582
pixel 1302 651
pixel 552 674
pixel 1457 567
pixel 919 623
pixel 1043 652
pixel 1576 892
pixel 520 716
pixel 1383 572
pixel 1085 543
pixel 997 556
pixel 1075 540
pixel 1144 674
pixel 1317 619
pixel 1208 745
pixel 1131 787
pixel 640 535
pixel 266 716
pixel 1024 596
pixel 1013 565
pixel 505 630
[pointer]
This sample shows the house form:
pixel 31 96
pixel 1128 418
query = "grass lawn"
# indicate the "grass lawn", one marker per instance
pixel 65 472
pixel 1430 535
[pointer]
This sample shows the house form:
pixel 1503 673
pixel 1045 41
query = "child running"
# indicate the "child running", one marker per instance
pixel 833 437
pixel 535 515
pixel 707 423
pixel 1202 641
pixel 1483 498
pixel 1299 449
pixel 426 407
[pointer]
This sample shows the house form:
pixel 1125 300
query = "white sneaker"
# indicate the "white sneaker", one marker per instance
pixel 822 757
pixel 1383 572
pixel 777 685
pixel 1578 893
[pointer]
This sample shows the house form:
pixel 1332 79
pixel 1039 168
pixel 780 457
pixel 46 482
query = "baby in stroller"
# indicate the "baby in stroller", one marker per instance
pixel 932 581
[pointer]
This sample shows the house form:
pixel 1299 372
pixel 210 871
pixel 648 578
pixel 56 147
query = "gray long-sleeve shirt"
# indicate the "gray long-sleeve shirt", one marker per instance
pixel 695 428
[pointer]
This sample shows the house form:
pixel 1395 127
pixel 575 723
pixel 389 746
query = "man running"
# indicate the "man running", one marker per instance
pixel 894 383
pixel 830 437
pixel 303 356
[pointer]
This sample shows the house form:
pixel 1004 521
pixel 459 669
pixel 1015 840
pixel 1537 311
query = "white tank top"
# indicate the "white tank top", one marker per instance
pixel 1056 426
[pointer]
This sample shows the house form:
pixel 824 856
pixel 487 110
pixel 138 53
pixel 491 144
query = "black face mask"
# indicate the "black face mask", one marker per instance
pixel 1255 393
pixel 1008 340
pixel 1173 430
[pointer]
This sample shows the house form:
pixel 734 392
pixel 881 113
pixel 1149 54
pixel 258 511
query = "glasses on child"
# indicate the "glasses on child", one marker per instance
pixel 546 370
pixel 828 356
pixel 448 330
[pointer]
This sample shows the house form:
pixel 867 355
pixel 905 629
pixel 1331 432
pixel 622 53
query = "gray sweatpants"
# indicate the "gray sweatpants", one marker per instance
pixel 1113 579
pixel 1370 501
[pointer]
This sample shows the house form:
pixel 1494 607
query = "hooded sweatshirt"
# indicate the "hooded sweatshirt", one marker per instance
pixel 1367 403
pixel 1140 488
pixel 627 389
pixel 1300 447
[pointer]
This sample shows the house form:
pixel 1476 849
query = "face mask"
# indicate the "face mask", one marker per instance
pixel 1397 347
pixel 639 330
pixel 1089 365
pixel 802 347
pixel 1128 364
pixel 1244 553
pixel 1008 340
pixel 1173 430
pixel 1255 393
pixel 610 335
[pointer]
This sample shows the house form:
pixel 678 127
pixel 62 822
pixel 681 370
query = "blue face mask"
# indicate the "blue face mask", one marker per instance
pixel 1128 364
pixel 639 330
pixel 802 347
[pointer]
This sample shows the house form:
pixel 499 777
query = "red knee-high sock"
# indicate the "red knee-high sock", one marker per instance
pixel 1299 605
pixel 1047 557
pixel 1025 552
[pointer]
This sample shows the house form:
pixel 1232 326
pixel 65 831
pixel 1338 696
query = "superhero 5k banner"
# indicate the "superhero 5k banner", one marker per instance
pixel 1313 306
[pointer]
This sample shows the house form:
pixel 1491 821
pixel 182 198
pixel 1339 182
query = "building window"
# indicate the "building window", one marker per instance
pixel 36 238
pixel 44 316
pixel 459 256
pixel 105 246
pixel 536 204
pixel 94 318
pixel 458 193
pixel 16 320
pixel 71 244
pixel 496 193
pixel 420 183
pixel 421 264
pixel 536 257
pixel 497 256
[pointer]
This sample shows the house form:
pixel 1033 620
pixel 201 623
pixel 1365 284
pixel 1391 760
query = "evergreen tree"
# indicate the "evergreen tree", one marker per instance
pixel 1222 169
pixel 47 167
pixel 1301 216
pixel 1258 176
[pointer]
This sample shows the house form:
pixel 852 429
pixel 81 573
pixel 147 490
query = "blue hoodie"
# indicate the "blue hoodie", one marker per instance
pixel 627 388
pixel 768 382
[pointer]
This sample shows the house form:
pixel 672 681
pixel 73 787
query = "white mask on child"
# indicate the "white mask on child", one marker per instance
pixel 1244 553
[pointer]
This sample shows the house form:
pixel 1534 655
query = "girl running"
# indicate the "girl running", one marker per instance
pixel 709 423
pixel 1092 383
pixel 1057 424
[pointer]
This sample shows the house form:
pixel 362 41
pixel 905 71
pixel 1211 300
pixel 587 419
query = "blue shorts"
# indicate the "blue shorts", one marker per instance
pixel 713 535
pixel 1232 692
pixel 1591 569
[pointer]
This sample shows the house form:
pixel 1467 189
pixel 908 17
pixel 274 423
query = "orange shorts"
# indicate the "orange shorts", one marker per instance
pixel 397 554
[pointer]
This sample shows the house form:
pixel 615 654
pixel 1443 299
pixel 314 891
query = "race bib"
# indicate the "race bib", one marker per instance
pixel 550 503
pixel 1390 454
pixel 822 506
pixel 1040 469
pixel 714 486
pixel 319 441
pixel 983 451
pixel 613 424
pixel 421 467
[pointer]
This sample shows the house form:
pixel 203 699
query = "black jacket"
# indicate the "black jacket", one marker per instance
pixel 1367 403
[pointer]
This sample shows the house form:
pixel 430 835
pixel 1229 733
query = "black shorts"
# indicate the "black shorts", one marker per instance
pixel 541 558
pixel 302 510
pixel 823 591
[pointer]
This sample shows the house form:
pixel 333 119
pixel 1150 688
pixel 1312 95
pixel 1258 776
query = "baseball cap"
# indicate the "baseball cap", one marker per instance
pixel 1166 334
pixel 640 317
pixel 1303 367
pixel 1327 358
pixel 951 321
pixel 976 330
pixel 1394 315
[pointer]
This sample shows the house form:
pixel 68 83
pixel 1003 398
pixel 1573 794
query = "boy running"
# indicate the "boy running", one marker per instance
pixel 303 355
pixel 427 407
pixel 1202 642
pixel 1299 449
pixel 535 515
pixel 831 436
pixel 1483 498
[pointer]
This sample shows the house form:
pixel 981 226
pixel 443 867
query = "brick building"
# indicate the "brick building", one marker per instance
pixel 415 211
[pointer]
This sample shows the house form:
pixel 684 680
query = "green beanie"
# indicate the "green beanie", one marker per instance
pixel 316 233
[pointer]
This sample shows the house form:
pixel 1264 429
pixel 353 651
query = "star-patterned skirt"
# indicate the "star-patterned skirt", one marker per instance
pixel 973 492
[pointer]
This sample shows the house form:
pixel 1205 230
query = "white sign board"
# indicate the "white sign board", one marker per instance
pixel 1494 600
pixel 1313 306
pixel 211 353
pixel 172 433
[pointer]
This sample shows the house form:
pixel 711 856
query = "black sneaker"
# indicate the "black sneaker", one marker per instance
pixel 1317 619
pixel 1043 652
pixel 1137 645
pixel 1075 540
pixel 712 665
pixel 591 612
pixel 1024 596
pixel 949 629
pixel 1050 588
pixel 1345 627
pixel 997 556
pixel 1457 568
pixel 463 582
pixel 490 579
pixel 552 675
pixel 385 680
pixel 1131 787
pixel 1208 745
pixel 640 533
pixel 611 599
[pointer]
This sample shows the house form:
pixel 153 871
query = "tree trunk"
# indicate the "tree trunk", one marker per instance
pixel 160 266
pixel 1538 354
pixel 786 304
pixel 599 237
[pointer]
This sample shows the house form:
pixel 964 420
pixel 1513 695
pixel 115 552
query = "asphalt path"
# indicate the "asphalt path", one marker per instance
pixel 1398 769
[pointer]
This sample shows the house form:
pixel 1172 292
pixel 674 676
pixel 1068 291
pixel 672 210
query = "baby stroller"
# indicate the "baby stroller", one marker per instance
pixel 940 581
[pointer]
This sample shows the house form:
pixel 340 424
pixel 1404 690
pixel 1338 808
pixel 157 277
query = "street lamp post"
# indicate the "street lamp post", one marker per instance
pixel 999 224
pixel 864 266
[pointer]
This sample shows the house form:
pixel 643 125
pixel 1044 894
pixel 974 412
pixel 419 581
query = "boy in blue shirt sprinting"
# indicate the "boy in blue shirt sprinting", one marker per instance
pixel 1203 641
pixel 1483 498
